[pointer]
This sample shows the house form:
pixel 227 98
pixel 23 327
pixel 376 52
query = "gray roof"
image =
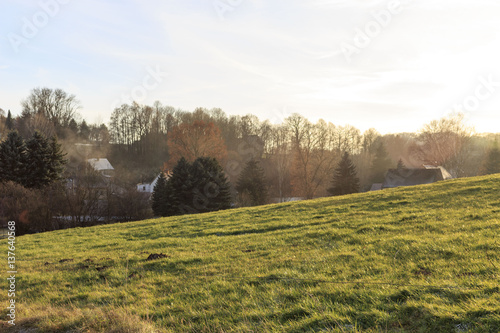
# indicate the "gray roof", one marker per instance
pixel 100 164
pixel 410 177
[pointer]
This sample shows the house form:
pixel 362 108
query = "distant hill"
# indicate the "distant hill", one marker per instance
pixel 413 259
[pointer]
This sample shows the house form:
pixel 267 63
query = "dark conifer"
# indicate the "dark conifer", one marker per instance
pixel 401 165
pixel 13 159
pixel 84 130
pixel 171 204
pixel 181 187
pixel 252 184
pixel 38 160
pixel 211 189
pixel 9 122
pixel 158 199
pixel 73 126
pixel 57 160
pixel 381 163
pixel 345 180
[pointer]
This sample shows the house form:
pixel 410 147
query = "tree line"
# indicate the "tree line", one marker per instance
pixel 263 162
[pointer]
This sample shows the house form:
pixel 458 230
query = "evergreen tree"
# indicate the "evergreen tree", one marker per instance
pixel 56 160
pixel 381 164
pixel 9 122
pixel 13 159
pixel 171 204
pixel 211 189
pixel 252 183
pixel 345 180
pixel 73 126
pixel 158 199
pixel 401 165
pixel 181 186
pixel 192 188
pixel 38 157
pixel 84 130
pixel 492 163
pixel 163 199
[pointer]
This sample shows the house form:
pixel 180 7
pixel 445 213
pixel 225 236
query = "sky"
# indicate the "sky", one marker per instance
pixel 392 65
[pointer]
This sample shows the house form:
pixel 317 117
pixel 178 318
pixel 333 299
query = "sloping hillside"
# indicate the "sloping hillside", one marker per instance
pixel 420 259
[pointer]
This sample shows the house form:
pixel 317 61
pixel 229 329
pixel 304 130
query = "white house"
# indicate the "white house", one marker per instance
pixel 103 166
pixel 148 187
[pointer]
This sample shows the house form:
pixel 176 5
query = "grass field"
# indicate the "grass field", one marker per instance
pixel 420 259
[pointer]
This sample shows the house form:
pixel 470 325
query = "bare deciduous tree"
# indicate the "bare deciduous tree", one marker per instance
pixel 312 158
pixel 56 105
pixel 444 142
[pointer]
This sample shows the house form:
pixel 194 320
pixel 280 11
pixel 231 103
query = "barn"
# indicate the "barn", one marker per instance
pixel 410 177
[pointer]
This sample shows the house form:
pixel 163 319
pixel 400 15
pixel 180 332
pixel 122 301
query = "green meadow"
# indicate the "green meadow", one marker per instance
pixel 416 259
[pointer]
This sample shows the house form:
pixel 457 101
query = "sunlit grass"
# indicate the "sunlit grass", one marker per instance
pixel 421 259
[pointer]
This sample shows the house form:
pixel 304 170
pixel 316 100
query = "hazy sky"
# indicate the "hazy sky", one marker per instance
pixel 393 65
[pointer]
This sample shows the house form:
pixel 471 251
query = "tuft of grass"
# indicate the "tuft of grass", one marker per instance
pixel 419 259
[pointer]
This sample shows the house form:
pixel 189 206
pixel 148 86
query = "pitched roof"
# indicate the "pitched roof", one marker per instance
pixel 100 164
pixel 410 177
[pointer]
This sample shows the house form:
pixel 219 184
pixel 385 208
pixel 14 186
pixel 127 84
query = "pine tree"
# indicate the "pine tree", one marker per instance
pixel 345 180
pixel 492 163
pixel 163 199
pixel 401 165
pixel 171 204
pixel 211 189
pixel 84 130
pixel 158 198
pixel 193 188
pixel 38 156
pixel 13 159
pixel 381 164
pixel 252 183
pixel 181 187
pixel 73 126
pixel 56 160
pixel 9 122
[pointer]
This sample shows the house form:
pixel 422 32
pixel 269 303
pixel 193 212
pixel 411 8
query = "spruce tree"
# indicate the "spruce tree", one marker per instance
pixel 13 159
pixel 181 187
pixel 158 199
pixel 73 126
pixel 252 183
pixel 492 163
pixel 163 199
pixel 194 188
pixel 345 180
pixel 9 122
pixel 56 160
pixel 401 165
pixel 171 204
pixel 381 164
pixel 84 130
pixel 211 189
pixel 38 156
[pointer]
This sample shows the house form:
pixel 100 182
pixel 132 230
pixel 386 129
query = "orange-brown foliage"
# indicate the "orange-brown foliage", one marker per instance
pixel 199 139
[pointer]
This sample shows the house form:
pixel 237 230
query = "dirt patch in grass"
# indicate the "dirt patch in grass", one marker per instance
pixel 65 260
pixel 422 271
pixel 156 256
pixel 101 268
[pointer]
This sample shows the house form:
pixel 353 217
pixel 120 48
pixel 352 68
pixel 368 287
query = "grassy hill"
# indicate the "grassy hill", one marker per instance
pixel 420 259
